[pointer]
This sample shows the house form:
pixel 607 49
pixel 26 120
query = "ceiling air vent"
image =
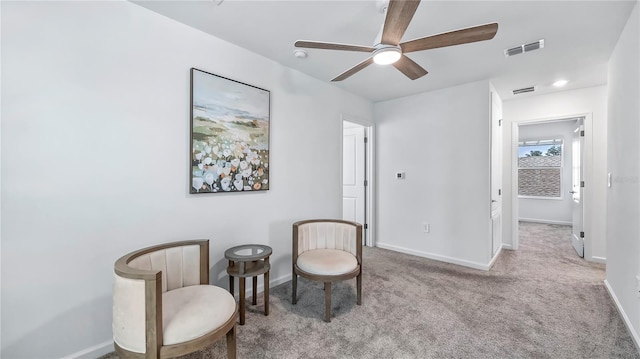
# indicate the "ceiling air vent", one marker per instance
pixel 513 51
pixel 524 48
pixel 524 90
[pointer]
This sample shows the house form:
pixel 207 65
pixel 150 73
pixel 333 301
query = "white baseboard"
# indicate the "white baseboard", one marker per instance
pixel 545 221
pixel 507 246
pixel 595 259
pixel 625 318
pixel 93 352
pixel 437 257
pixel 107 347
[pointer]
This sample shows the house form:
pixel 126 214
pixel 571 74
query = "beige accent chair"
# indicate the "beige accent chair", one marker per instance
pixel 327 250
pixel 163 305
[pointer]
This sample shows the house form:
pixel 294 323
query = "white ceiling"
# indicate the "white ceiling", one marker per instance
pixel 579 38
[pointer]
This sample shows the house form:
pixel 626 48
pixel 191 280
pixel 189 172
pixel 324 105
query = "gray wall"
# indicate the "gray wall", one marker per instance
pixel 95 149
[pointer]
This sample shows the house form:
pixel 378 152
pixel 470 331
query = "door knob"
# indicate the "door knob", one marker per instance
pixel 572 192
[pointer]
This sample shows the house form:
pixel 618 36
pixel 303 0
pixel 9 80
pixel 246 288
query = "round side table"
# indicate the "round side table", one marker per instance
pixel 249 260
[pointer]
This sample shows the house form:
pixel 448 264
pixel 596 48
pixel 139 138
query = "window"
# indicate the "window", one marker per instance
pixel 540 168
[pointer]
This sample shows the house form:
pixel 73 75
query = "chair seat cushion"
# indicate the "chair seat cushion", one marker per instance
pixel 327 262
pixel 191 312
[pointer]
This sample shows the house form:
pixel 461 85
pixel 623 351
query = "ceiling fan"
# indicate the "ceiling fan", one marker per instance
pixel 389 50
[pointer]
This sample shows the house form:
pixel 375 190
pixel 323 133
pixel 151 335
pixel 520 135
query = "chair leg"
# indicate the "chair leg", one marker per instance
pixel 294 293
pixel 359 288
pixel 231 343
pixel 327 302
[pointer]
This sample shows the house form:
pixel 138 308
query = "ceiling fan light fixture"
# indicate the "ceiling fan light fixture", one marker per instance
pixel 387 55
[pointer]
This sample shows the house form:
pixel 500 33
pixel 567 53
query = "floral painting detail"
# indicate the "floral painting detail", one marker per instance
pixel 229 135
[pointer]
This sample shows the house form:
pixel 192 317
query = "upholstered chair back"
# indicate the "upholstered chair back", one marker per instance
pixel 327 235
pixel 180 266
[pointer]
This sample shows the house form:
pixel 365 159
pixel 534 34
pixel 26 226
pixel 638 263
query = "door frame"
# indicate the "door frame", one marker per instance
pixel 369 232
pixel 587 162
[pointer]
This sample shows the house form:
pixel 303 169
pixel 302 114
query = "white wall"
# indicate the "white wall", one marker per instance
pixel 441 140
pixel 95 149
pixel 591 101
pixel 623 198
pixel 550 210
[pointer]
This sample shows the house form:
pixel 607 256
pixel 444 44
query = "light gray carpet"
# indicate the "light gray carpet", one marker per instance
pixel 541 301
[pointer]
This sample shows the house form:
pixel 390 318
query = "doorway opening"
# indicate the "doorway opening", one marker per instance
pixel 548 179
pixel 357 176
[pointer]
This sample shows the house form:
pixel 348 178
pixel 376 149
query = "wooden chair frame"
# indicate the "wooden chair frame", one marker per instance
pixel 153 308
pixel 327 279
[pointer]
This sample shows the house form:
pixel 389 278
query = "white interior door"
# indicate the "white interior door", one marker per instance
pixel 353 173
pixel 496 173
pixel 577 193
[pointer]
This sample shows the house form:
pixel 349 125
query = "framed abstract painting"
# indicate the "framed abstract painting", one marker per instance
pixel 229 135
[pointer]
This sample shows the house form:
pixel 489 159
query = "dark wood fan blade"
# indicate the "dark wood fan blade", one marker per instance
pixel 354 69
pixel 332 46
pixel 399 15
pixel 409 68
pixel 462 36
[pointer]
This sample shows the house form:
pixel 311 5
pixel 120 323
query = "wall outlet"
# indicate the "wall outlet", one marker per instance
pixel 399 175
pixel 426 227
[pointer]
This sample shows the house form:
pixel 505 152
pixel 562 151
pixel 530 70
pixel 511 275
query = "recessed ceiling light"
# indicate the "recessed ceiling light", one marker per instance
pixel 560 83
